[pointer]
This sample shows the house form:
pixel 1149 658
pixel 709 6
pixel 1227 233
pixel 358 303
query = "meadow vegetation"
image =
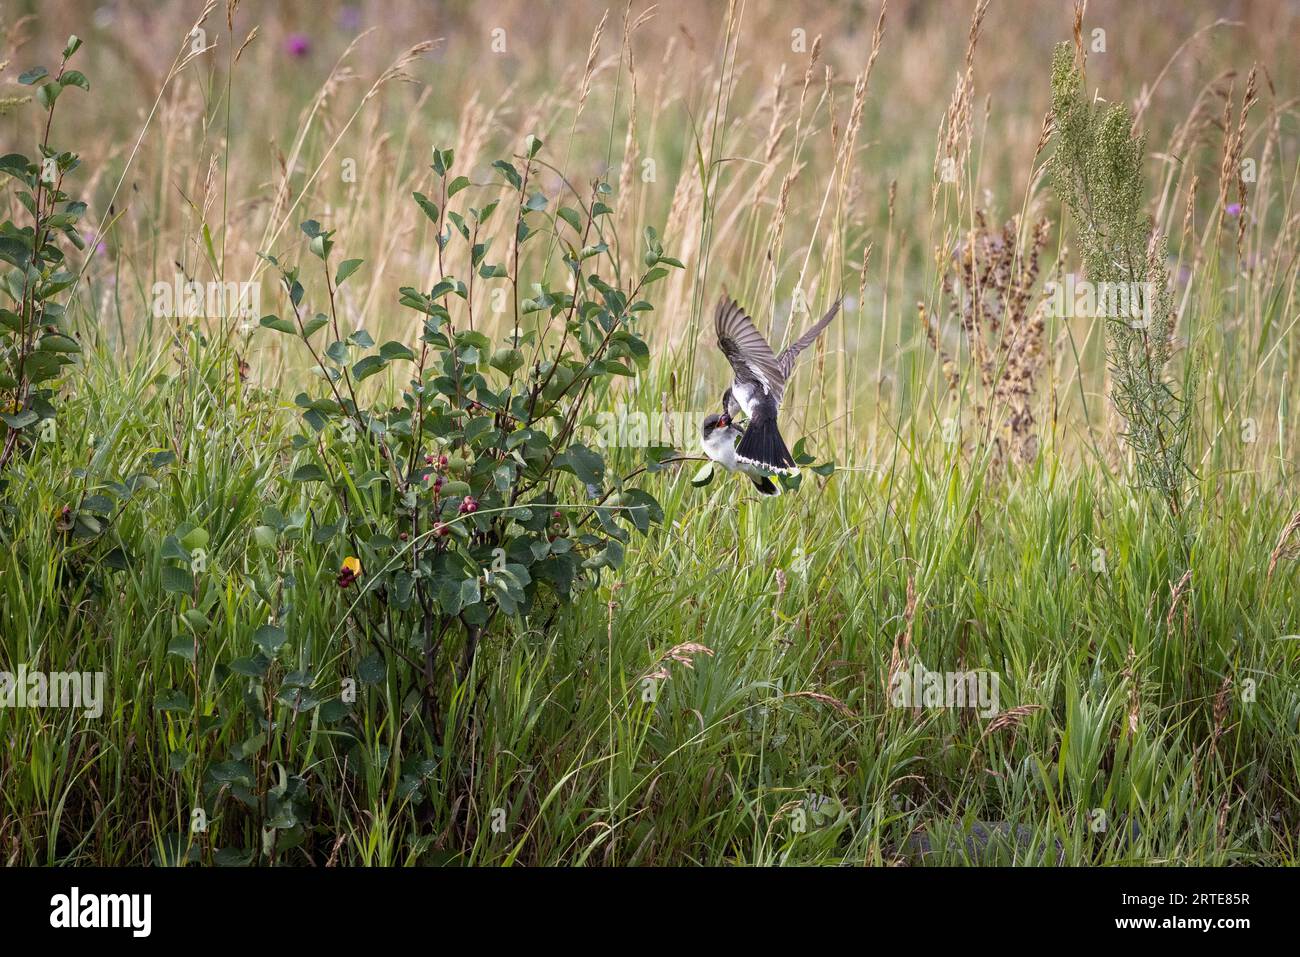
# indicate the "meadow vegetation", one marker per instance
pixel 366 578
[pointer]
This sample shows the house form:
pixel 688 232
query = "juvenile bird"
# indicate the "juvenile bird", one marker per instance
pixel 719 439
pixel 759 382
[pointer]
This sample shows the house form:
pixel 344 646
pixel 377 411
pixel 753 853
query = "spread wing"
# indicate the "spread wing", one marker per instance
pixel 786 360
pixel 750 356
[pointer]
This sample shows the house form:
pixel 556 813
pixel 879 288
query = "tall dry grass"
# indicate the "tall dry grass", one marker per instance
pixel 784 153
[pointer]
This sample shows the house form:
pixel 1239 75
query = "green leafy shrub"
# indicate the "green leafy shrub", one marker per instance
pixel 474 499
pixel 36 341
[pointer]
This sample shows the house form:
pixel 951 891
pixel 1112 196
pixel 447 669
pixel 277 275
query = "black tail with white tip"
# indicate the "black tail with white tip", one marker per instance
pixel 762 445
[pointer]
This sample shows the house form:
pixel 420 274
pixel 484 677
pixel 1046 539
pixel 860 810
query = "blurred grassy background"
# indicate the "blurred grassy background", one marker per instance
pixel 295 126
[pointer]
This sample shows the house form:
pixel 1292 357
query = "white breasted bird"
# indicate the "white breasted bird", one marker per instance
pixel 759 383
pixel 719 437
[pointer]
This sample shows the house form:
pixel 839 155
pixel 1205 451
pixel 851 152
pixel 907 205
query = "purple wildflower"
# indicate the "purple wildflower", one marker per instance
pixel 1233 209
pixel 297 45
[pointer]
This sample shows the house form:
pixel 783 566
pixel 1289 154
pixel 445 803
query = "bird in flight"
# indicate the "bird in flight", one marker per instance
pixel 719 436
pixel 759 383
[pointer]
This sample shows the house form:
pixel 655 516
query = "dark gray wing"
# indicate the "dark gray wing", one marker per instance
pixel 786 360
pixel 750 356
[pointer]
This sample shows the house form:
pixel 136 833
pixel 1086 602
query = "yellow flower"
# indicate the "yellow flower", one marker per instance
pixel 350 571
